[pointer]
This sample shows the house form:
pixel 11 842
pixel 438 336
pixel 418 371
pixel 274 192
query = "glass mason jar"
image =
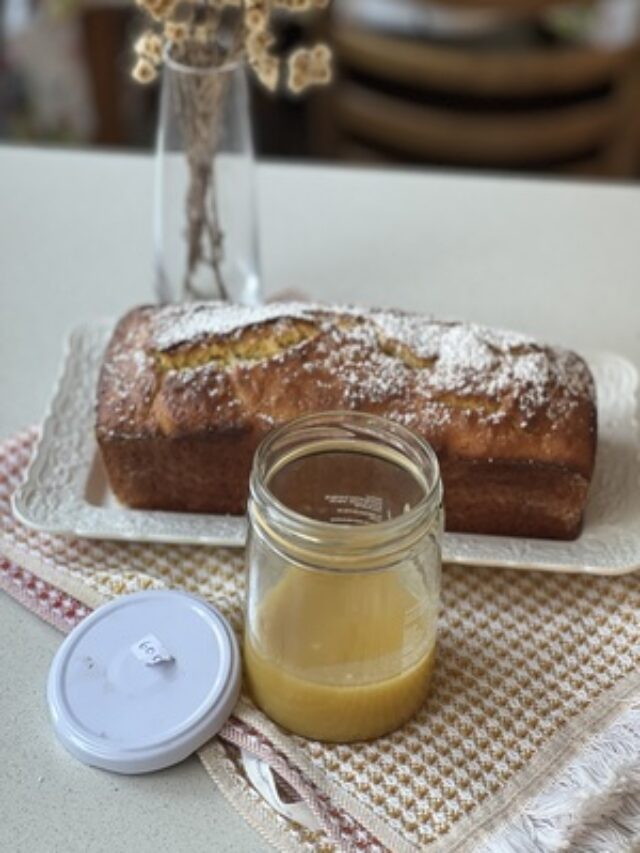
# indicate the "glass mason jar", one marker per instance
pixel 343 583
pixel 206 232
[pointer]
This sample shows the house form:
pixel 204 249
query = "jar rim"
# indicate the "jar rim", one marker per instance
pixel 184 68
pixel 386 537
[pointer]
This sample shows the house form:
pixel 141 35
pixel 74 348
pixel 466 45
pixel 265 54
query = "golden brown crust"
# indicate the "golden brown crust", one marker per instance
pixel 187 393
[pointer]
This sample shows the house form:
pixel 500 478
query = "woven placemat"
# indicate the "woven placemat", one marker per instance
pixel 530 667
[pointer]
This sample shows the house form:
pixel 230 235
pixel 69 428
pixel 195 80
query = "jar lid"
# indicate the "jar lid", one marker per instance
pixel 144 681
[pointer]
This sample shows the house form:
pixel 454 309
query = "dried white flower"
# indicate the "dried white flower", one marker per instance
pixel 149 46
pixel 255 19
pixel 321 54
pixel 144 71
pixel 308 68
pixel 158 9
pixel 301 5
pixel 194 26
pixel 176 31
pixel 295 5
pixel 267 70
pixel 257 44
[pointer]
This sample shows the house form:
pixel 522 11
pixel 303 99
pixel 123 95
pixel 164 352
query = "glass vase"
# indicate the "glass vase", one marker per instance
pixel 206 231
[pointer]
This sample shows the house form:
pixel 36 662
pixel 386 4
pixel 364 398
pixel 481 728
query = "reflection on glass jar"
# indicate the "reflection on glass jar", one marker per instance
pixel 343 575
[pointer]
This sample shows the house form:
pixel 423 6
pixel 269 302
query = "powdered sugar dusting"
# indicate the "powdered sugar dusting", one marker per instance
pixel 426 338
pixel 179 324
pixel 408 366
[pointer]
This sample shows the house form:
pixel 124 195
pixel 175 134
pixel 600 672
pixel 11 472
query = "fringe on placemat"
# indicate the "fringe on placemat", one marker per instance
pixel 593 806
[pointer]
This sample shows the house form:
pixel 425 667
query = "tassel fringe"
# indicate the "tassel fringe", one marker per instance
pixel 593 806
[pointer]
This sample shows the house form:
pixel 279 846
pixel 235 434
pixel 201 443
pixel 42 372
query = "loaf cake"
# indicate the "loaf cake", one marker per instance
pixel 186 394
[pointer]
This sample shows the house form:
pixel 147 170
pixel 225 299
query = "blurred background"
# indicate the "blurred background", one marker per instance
pixel 534 86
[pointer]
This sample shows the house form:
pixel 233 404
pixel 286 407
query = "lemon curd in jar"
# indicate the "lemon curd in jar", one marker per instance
pixel 344 571
pixel 354 681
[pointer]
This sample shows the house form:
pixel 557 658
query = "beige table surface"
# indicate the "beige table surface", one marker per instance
pixel 559 260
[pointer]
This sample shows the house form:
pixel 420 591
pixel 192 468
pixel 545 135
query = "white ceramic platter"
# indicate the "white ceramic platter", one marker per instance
pixel 66 492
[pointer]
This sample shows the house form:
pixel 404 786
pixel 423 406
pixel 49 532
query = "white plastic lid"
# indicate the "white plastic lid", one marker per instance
pixel 144 681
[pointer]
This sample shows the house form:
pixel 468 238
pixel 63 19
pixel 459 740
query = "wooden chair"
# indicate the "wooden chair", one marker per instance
pixel 105 28
pixel 550 107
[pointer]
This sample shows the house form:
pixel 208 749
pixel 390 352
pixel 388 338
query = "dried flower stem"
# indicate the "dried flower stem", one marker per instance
pixel 200 104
